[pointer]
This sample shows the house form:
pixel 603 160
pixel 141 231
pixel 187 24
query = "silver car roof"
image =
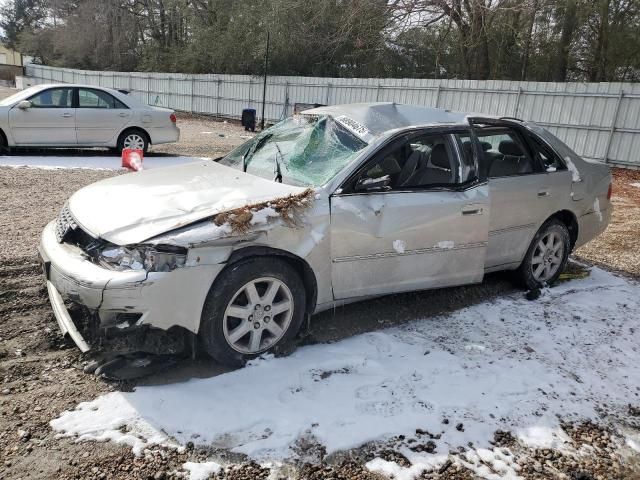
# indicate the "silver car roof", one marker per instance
pixel 383 117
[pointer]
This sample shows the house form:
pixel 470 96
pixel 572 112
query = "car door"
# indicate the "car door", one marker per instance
pixel 522 193
pixel 50 120
pixel 99 117
pixel 412 217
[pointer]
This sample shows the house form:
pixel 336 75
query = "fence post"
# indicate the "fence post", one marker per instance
pixel 218 97
pixel 378 93
pixel 438 96
pixel 328 94
pixel 613 127
pixel 286 100
pixel 515 113
pixel 193 84
pixel 148 89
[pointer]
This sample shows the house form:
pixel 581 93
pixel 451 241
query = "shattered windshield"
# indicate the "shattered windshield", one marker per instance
pixel 301 150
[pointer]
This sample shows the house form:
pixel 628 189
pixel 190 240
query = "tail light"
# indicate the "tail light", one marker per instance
pixel 610 191
pixel 172 117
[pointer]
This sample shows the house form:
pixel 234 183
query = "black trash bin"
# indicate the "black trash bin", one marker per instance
pixel 249 119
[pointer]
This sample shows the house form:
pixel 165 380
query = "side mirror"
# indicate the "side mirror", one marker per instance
pixel 372 184
pixel 24 104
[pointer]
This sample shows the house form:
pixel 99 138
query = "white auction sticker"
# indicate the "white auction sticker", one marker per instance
pixel 353 126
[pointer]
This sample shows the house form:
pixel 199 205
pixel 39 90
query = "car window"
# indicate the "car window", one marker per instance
pixel 53 98
pixel 505 154
pixel 98 99
pixel 546 156
pixel 420 161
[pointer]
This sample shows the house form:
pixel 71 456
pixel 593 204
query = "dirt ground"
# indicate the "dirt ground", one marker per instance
pixel 41 374
pixel 619 247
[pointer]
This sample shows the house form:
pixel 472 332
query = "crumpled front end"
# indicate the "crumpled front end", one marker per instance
pixel 122 310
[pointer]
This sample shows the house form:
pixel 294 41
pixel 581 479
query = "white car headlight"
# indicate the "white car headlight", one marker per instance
pixel 151 259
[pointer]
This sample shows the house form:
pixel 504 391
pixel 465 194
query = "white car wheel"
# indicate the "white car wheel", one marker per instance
pixel 134 141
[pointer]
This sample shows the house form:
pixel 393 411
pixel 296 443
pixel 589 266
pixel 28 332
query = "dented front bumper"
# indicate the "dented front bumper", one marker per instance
pixel 120 302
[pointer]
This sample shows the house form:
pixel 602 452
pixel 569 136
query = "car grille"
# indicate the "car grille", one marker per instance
pixel 64 223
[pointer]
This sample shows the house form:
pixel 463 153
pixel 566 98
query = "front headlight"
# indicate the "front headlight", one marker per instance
pixel 152 259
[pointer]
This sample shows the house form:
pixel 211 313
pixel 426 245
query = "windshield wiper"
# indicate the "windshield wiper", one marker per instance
pixel 257 146
pixel 278 171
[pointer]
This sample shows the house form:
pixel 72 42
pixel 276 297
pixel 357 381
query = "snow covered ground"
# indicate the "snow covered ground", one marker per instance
pixel 508 364
pixel 102 162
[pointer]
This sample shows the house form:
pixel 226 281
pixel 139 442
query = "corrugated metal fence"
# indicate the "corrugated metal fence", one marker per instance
pixel 599 121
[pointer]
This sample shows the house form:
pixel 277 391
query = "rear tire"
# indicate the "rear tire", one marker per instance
pixel 4 145
pixel 546 257
pixel 134 139
pixel 256 306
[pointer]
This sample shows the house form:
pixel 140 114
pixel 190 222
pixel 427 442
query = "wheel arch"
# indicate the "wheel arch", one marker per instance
pixel 134 128
pixel 570 221
pixel 299 264
pixel 4 140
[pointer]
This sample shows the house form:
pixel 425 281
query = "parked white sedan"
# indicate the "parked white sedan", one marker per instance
pixel 66 115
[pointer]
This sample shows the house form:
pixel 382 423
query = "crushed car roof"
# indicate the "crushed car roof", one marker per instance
pixel 382 117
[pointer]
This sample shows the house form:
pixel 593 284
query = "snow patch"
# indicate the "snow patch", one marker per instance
pixel 446 244
pixel 575 174
pixel 399 246
pixel 596 209
pixel 108 418
pixel 543 437
pixel 263 215
pixel 636 184
pixel 380 384
pixel 201 471
pixel 91 162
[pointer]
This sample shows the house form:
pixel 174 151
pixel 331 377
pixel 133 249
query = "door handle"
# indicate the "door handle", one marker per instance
pixel 67 115
pixel 543 193
pixel 472 210
pixel 123 114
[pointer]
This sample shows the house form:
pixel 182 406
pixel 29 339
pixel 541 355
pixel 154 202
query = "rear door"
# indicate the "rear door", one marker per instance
pixel 99 117
pixel 50 121
pixel 523 194
pixel 412 217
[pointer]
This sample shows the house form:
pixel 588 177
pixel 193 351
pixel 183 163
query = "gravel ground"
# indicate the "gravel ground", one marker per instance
pixel 41 373
pixel 619 247
pixel 202 136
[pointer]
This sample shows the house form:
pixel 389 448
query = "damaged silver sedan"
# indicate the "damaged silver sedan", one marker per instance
pixel 333 205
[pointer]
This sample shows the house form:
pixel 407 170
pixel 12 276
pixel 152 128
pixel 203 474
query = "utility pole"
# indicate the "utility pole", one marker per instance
pixel 264 85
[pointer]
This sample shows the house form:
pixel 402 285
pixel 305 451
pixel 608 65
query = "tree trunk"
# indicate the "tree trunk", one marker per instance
pixel 569 23
pixel 527 45
pixel 599 68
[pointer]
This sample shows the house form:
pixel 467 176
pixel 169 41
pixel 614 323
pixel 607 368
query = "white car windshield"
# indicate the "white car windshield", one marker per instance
pixel 301 150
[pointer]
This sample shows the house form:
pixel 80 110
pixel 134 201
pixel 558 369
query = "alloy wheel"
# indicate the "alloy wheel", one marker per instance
pixel 258 315
pixel 547 257
pixel 134 141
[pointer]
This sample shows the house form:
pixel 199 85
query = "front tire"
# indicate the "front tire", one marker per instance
pixel 546 257
pixel 4 145
pixel 133 139
pixel 256 306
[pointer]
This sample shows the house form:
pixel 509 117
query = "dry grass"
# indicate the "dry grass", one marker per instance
pixel 618 248
pixel 288 208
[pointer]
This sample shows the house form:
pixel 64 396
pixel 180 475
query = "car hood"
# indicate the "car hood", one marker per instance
pixel 132 208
